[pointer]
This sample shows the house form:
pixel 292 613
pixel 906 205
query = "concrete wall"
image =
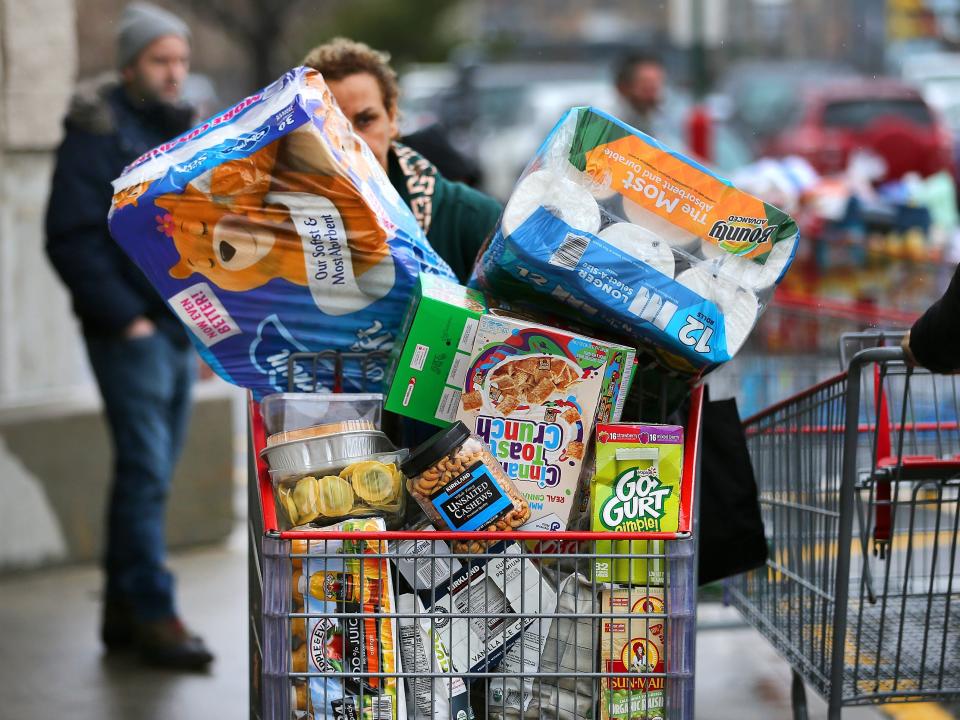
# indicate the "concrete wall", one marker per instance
pixel 54 448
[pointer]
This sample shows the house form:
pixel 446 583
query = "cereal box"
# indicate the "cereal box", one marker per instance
pixel 429 368
pixel 533 393
pixel 636 488
pixel 632 645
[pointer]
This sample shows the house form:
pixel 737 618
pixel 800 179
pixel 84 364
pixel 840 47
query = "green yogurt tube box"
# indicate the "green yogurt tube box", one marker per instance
pixel 430 361
pixel 636 488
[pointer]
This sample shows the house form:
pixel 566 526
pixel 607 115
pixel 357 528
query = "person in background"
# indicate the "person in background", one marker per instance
pixel 455 218
pixel 643 100
pixel 933 342
pixel 139 352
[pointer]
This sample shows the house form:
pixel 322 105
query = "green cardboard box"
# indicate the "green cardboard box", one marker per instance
pixel 636 488
pixel 428 369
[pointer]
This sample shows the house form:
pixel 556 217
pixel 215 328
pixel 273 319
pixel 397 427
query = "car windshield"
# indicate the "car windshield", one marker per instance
pixel 858 114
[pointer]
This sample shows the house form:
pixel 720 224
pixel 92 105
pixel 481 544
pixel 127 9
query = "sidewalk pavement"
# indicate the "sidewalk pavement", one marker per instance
pixel 53 665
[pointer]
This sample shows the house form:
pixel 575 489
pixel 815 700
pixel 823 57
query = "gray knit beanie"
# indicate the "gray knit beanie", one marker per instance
pixel 141 24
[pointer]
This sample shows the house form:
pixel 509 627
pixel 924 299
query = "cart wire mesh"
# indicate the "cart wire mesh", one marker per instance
pixel 859 486
pixel 518 629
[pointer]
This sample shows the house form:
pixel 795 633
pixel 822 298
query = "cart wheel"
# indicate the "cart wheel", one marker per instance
pixel 798 696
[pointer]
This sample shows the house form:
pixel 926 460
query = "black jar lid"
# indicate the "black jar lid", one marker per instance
pixel 428 453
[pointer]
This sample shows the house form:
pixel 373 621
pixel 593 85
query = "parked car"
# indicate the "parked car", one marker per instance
pixel 757 97
pixel 886 117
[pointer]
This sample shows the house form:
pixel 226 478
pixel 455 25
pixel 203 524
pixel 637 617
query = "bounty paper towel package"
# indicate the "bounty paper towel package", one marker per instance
pixel 271 229
pixel 639 241
pixel 533 393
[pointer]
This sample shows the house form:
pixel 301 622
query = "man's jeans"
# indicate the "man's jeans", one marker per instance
pixel 145 384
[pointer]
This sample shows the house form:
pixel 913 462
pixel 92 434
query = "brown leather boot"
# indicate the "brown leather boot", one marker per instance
pixel 167 643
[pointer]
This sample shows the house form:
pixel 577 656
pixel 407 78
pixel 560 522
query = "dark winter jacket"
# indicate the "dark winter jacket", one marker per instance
pixel 456 219
pixel 105 131
pixel 934 340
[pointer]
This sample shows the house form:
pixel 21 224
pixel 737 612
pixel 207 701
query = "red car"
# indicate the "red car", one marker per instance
pixel 884 116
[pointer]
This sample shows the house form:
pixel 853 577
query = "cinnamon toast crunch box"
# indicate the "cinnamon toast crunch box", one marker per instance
pixel 270 230
pixel 533 394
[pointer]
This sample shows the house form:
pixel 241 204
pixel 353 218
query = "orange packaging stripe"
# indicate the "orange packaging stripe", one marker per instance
pixel 675 190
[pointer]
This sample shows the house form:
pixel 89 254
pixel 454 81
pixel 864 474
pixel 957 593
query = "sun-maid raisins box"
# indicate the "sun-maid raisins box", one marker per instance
pixel 533 393
pixel 632 640
pixel 429 368
pixel 636 488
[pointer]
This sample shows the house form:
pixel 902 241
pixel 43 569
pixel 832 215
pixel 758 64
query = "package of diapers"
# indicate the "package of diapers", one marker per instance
pixel 611 228
pixel 271 230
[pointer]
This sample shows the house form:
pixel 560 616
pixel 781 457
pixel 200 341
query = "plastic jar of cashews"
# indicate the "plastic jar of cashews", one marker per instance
pixel 461 486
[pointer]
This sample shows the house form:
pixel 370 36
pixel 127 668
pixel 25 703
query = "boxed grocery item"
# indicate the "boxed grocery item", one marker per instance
pixel 428 370
pixel 631 649
pixel 426 563
pixel 271 229
pixel 348 639
pixel 428 698
pixel 636 488
pixel 640 241
pixel 504 588
pixel 532 393
pixel 461 486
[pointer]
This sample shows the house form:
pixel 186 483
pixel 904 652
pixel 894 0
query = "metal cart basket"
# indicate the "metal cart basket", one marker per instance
pixel 859 485
pixel 467 625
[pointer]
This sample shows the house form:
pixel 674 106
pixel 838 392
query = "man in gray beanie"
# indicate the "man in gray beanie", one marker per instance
pixel 138 350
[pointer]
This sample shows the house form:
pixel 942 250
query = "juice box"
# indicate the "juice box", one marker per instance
pixel 631 645
pixel 533 394
pixel 428 369
pixel 636 488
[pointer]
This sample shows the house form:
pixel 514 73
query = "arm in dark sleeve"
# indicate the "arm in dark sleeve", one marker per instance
pixel 78 241
pixel 935 337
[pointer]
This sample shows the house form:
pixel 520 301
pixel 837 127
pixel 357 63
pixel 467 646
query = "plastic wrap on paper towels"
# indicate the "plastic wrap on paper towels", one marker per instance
pixel 272 229
pixel 680 259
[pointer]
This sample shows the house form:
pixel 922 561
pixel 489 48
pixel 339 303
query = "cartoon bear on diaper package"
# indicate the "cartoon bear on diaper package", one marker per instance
pixel 272 230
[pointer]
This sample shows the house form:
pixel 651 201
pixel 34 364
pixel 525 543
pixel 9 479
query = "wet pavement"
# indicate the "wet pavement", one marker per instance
pixel 53 665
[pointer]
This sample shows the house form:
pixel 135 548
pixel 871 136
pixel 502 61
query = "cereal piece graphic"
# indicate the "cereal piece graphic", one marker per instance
pixel 471 400
pixel 540 392
pixel 508 404
pixel 571 415
pixel 575 449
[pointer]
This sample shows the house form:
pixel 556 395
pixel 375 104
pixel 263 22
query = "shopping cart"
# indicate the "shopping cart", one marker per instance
pixel 526 635
pixel 859 485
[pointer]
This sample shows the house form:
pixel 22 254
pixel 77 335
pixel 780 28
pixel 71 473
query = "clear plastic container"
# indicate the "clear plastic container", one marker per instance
pixel 300 457
pixel 366 486
pixel 461 486
pixel 283 412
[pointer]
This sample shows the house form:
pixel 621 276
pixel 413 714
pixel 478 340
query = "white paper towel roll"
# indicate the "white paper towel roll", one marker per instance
pixel 564 198
pixel 641 244
pixel 739 307
pixel 709 250
pixel 754 276
pixel 600 187
pixel 676 237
